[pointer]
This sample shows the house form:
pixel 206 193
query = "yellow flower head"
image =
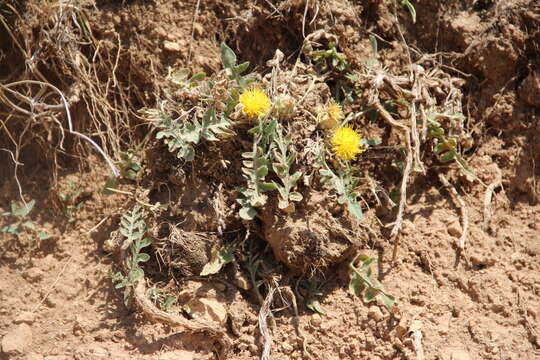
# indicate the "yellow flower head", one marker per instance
pixel 346 143
pixel 331 116
pixel 334 111
pixel 255 102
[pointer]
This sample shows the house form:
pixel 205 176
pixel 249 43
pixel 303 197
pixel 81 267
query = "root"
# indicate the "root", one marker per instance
pixel 464 211
pixel 148 308
pixel 264 313
pixel 394 234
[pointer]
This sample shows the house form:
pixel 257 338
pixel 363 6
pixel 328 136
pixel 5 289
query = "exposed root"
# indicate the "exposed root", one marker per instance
pixel 394 234
pixel 464 211
pixel 153 313
pixel 264 313
pixel 487 199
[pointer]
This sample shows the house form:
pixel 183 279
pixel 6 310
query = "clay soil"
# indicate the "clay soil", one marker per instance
pixel 57 300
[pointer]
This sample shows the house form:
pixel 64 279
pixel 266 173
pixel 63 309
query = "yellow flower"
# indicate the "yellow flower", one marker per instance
pixel 255 102
pixel 331 116
pixel 334 111
pixel 346 143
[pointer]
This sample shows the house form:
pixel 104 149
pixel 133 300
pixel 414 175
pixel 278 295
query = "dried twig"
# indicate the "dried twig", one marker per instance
pixel 406 172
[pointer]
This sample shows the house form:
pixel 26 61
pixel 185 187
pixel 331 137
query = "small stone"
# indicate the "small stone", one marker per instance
pixel 459 354
pixel 171 46
pixel 375 313
pixel 198 29
pixel 454 229
pixel 33 274
pixel 316 320
pixel 287 348
pixel 25 317
pixel 207 309
pixel 17 339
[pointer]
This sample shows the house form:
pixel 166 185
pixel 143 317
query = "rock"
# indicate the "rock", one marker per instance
pixel 171 46
pixel 17 339
pixel 33 274
pixel 287 348
pixel 316 320
pixel 375 313
pixel 177 355
pixel 459 354
pixel 454 228
pixel 26 317
pixel 207 309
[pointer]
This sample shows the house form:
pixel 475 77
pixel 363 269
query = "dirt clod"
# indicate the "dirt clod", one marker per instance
pixel 17 340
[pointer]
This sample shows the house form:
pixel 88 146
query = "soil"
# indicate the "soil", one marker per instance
pixel 57 300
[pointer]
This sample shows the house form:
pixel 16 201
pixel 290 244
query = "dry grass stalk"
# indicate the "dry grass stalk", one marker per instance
pixel 463 208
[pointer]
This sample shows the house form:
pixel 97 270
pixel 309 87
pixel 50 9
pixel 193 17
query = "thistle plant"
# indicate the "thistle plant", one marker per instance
pixel 216 99
pixel 344 182
pixel 256 168
pixel 284 157
pixel 363 285
pixel 132 226
pixel 20 222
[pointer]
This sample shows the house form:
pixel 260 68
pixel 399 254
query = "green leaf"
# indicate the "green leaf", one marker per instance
pixel 136 274
pixel 411 8
pixel 388 300
pixel 356 286
pixel 23 210
pixel 29 225
pixel 247 212
pixel 111 183
pixel 197 77
pixel 314 305
pixel 144 242
pixel 218 259
pixel 242 67
pixel 44 236
pixel 143 257
pixel 228 57
pixel 447 156
pixel 355 209
pixel 370 295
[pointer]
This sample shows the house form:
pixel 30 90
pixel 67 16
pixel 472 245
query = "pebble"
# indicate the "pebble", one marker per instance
pixel 316 320
pixel 34 274
pixel 25 317
pixel 17 339
pixel 375 313
pixel 207 309
pixel 171 46
pixel 454 229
